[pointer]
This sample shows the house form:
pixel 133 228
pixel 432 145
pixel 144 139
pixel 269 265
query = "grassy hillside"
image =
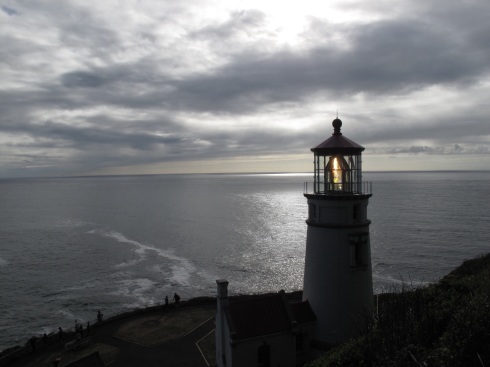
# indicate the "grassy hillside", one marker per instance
pixel 444 324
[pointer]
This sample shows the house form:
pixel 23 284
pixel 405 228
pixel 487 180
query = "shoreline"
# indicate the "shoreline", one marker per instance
pixel 200 300
pixel 14 354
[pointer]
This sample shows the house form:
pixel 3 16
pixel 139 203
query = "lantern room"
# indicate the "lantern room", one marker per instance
pixel 338 166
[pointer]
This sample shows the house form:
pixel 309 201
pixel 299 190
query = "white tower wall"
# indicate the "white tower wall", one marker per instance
pixel 338 274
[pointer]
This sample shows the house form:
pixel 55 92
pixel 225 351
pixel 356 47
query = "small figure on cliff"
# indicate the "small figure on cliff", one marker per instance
pixel 60 333
pixel 80 330
pixel 33 343
pixel 166 301
pixel 87 328
pixel 56 362
pixel 99 317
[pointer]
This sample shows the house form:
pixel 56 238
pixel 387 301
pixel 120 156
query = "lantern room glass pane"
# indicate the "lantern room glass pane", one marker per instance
pixel 337 174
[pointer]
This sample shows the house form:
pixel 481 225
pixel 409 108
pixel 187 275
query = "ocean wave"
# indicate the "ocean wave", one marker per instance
pixel 67 315
pixel 181 269
pixel 69 222
pixel 52 294
pixel 139 289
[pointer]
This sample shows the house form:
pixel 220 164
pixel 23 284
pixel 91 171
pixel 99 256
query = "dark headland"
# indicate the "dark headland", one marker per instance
pixel 443 324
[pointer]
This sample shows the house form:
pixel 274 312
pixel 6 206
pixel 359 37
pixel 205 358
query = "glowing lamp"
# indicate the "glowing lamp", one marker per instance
pixel 338 164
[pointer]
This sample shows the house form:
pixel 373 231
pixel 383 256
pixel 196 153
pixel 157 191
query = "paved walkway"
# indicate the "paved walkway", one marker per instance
pixel 159 338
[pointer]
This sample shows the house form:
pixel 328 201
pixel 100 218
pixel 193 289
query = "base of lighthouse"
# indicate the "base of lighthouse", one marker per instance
pixel 338 274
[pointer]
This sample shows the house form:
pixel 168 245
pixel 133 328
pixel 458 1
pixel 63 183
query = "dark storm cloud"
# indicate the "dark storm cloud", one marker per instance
pixel 456 149
pixel 82 137
pixel 447 129
pixel 99 130
pixel 8 10
pixel 81 79
pixel 268 141
pixel 381 58
pixel 243 22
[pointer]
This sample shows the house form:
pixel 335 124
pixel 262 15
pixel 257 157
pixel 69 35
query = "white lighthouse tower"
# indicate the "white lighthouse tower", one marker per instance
pixel 338 275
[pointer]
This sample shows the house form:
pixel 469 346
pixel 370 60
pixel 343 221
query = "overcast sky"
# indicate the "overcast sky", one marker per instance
pixel 135 87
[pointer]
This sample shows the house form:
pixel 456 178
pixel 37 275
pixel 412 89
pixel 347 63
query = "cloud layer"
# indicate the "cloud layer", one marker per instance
pixel 111 87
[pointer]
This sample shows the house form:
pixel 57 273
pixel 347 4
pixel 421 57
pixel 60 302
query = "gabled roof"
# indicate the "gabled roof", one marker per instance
pixel 257 316
pixel 263 315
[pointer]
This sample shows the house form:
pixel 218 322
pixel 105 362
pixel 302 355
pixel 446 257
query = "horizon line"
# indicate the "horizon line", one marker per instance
pixel 231 173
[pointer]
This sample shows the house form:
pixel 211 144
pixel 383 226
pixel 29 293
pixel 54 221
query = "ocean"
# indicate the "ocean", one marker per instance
pixel 72 246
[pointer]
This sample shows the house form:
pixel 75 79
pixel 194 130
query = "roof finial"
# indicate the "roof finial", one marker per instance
pixel 337 123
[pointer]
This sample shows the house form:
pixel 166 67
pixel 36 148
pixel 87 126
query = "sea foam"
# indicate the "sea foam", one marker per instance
pixel 182 268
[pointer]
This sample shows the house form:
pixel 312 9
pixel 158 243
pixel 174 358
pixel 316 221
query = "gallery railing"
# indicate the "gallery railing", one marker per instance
pixel 330 188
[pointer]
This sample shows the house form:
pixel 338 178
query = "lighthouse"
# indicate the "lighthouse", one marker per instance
pixel 338 274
